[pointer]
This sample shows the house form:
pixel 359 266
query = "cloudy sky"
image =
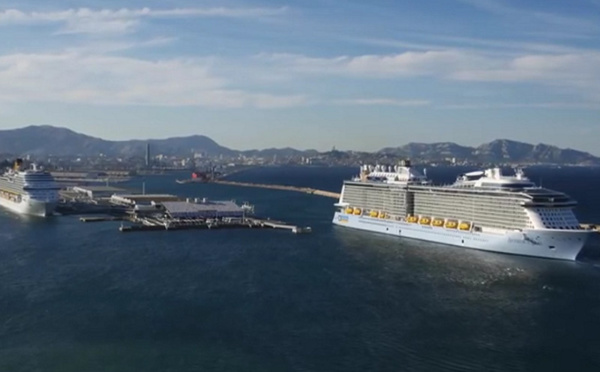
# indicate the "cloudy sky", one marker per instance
pixel 353 74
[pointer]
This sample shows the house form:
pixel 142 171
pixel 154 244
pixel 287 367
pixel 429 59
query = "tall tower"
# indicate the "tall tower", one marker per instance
pixel 147 155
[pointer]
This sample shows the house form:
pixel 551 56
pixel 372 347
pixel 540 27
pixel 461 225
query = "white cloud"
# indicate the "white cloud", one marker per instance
pixel 108 80
pixel 384 66
pixel 85 20
pixel 544 105
pixel 577 71
pixel 98 47
pixel 472 44
pixel 383 102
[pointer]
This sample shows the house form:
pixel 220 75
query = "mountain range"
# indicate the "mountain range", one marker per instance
pixel 497 151
pixel 48 140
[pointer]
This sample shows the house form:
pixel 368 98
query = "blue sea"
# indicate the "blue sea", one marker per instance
pixel 84 297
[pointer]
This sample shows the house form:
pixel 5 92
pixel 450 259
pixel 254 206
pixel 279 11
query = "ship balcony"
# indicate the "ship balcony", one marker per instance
pixel 549 204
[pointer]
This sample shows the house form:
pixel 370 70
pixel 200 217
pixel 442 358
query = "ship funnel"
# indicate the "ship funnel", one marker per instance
pixel 18 163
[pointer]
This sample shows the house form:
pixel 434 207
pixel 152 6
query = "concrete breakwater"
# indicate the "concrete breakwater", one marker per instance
pixel 306 190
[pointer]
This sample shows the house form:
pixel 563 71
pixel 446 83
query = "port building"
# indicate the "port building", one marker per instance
pixel 131 200
pixel 95 192
pixel 203 209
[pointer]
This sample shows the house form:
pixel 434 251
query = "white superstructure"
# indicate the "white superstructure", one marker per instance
pixel 484 210
pixel 32 191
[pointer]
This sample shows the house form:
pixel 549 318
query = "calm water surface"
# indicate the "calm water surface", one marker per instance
pixel 84 297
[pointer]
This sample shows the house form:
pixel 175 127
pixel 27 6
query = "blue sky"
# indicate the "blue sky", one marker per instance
pixel 309 74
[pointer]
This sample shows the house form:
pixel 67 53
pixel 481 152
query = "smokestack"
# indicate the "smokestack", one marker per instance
pixel 18 163
pixel 147 155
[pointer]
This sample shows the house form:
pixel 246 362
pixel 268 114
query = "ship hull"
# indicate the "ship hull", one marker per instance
pixel 555 244
pixel 29 207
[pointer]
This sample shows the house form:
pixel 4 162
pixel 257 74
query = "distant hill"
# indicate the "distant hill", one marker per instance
pixel 285 152
pixel 498 151
pixel 49 140
pixel 432 151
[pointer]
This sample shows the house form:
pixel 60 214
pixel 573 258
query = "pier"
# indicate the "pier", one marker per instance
pixel 154 224
pixel 305 190
pixel 591 226
pixel 101 218
pixel 193 214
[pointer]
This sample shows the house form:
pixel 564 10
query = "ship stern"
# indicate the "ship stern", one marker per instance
pixel 40 208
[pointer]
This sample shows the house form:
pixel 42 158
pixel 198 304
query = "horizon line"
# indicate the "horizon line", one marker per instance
pixel 334 148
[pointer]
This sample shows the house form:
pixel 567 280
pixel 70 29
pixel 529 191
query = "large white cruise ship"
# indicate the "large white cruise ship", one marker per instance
pixel 482 210
pixel 32 191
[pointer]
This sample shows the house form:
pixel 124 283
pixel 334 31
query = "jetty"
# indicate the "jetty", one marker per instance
pixel 305 190
pixel 102 218
pixel 161 224
pixel 591 226
pixel 192 214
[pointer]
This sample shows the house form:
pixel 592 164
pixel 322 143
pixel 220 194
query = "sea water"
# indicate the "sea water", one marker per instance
pixel 84 297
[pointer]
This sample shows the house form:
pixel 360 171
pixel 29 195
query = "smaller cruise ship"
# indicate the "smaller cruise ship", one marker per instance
pixel 28 191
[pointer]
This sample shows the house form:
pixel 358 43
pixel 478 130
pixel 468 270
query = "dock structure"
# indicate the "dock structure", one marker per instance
pixel 100 218
pixel 197 214
pixel 131 200
pixel 284 226
pixel 203 209
pixel 305 190
pixel 154 224
pixel 591 226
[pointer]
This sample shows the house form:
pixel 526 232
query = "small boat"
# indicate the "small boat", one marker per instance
pixel 191 180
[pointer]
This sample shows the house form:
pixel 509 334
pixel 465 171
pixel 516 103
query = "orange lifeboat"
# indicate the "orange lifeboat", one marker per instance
pixel 425 221
pixel 464 226
pixel 451 224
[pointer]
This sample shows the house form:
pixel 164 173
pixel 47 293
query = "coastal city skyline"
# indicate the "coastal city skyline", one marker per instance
pixel 261 74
